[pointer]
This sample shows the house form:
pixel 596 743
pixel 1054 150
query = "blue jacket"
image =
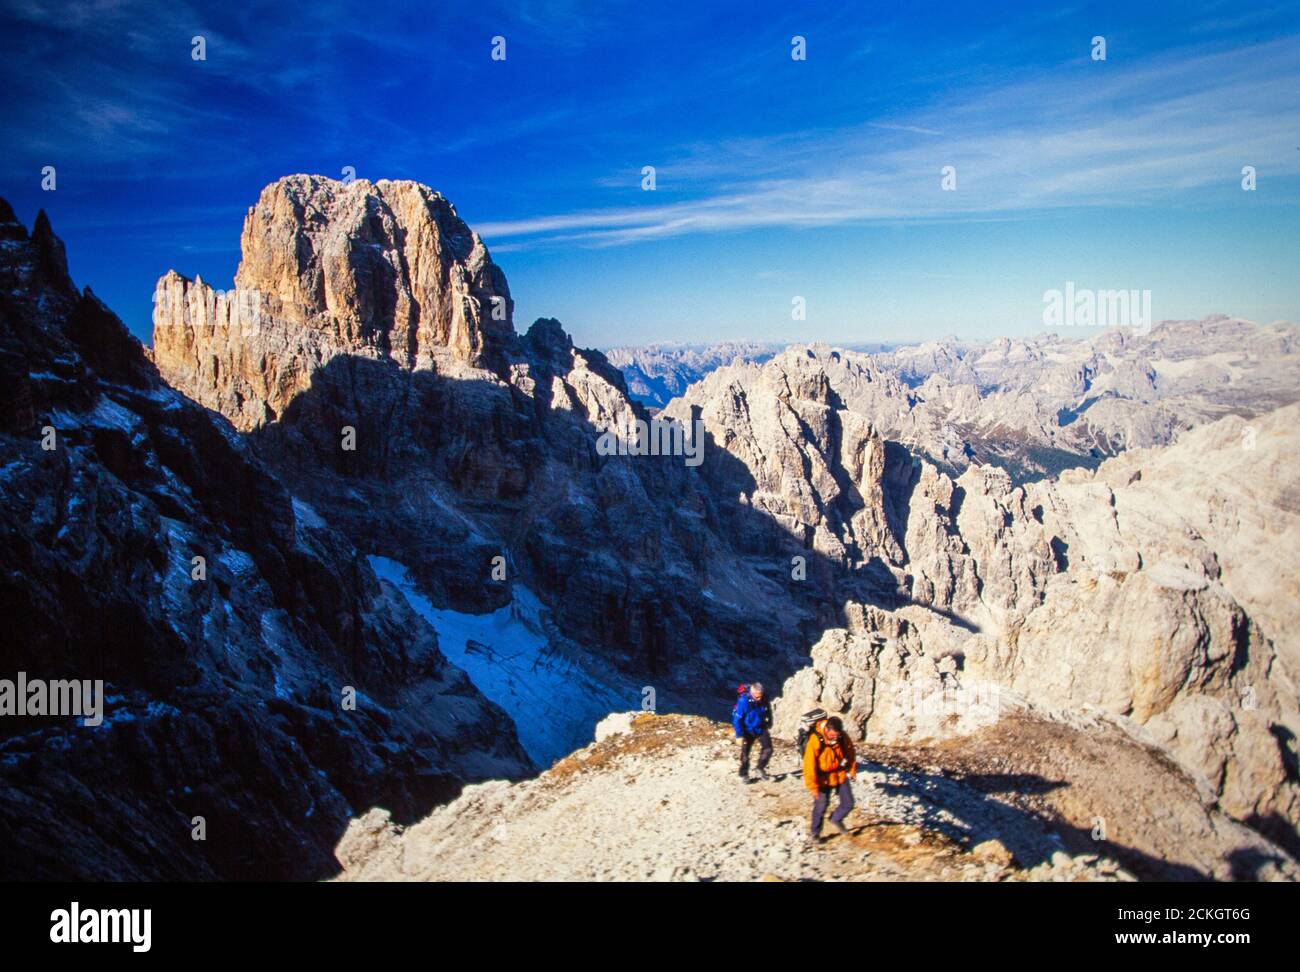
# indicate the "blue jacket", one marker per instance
pixel 751 717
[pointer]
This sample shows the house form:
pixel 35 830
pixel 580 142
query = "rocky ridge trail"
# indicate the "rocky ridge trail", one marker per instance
pixel 657 798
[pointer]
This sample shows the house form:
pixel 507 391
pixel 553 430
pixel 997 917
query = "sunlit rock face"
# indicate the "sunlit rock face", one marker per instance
pixel 385 269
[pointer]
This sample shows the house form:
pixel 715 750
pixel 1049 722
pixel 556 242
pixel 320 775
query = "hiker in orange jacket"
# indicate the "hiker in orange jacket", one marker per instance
pixel 829 763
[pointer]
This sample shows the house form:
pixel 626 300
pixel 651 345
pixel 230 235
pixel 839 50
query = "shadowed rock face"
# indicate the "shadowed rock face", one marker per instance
pixel 224 693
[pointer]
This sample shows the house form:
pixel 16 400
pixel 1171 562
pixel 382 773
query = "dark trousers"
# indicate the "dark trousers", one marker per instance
pixel 764 741
pixel 823 800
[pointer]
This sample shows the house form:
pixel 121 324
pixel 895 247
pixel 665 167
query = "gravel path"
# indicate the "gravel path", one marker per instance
pixel 664 802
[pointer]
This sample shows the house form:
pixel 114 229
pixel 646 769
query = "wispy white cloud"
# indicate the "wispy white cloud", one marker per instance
pixel 1094 134
pixel 915 129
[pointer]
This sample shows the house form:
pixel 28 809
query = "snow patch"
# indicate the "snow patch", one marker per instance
pixel 306 515
pixel 237 562
pixel 554 700
pixel 109 414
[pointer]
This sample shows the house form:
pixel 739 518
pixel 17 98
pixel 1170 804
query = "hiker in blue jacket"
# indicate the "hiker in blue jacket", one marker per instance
pixel 752 718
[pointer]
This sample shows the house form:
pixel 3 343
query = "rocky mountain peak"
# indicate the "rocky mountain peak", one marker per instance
pixel 50 255
pixel 386 270
pixel 547 337
pixel 387 263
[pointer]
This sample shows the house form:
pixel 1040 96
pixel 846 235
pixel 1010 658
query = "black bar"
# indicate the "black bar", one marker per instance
pixel 334 921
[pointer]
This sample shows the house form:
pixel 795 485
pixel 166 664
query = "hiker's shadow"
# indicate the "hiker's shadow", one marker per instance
pixel 966 810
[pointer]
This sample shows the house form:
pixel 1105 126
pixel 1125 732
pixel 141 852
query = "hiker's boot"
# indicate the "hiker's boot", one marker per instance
pixel 839 826
pixel 764 774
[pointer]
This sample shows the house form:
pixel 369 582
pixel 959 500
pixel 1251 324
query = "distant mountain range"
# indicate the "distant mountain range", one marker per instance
pixel 657 373
pixel 1034 406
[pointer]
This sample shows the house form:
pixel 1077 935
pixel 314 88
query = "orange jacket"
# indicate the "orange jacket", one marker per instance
pixel 827 765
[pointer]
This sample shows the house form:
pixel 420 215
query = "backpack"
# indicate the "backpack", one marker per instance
pixel 807 722
pixel 740 694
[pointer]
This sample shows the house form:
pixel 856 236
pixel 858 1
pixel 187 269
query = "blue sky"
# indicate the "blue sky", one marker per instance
pixel 775 178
